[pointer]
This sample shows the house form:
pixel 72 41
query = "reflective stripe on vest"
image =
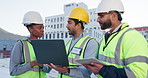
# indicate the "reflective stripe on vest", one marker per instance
pixel 27 55
pixel 117 59
pixel 72 60
pixel 123 62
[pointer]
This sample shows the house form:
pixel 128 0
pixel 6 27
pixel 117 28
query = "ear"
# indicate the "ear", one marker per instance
pixel 30 29
pixel 79 25
pixel 113 16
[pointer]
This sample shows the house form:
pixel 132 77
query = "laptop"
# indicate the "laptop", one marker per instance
pixel 50 51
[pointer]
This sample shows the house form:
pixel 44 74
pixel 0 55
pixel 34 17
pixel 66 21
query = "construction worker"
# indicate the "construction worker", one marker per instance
pixel 23 60
pixel 123 49
pixel 79 47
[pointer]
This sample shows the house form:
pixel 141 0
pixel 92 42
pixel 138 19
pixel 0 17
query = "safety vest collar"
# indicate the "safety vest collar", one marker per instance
pixel 81 44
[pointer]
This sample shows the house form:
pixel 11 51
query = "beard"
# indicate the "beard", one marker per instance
pixel 71 32
pixel 106 24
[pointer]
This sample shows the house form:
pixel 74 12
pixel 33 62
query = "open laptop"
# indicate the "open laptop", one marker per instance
pixel 50 51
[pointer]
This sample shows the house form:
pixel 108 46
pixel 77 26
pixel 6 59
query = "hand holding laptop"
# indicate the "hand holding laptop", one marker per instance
pixel 33 63
pixel 60 69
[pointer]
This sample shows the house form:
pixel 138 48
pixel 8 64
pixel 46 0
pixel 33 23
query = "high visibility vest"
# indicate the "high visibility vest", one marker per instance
pixel 29 56
pixel 120 51
pixel 81 46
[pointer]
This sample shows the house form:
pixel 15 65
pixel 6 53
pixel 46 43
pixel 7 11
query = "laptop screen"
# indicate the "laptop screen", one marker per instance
pixel 50 51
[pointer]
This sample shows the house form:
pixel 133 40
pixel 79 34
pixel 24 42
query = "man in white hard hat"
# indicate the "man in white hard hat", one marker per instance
pixel 122 49
pixel 23 60
pixel 79 47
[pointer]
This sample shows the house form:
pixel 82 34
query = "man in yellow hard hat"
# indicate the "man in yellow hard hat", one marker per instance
pixel 23 60
pixel 79 47
pixel 122 49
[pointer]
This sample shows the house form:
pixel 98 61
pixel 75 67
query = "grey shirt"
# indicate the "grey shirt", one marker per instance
pixel 17 58
pixel 91 51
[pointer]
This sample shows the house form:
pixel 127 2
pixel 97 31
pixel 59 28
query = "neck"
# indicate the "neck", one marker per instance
pixel 32 37
pixel 113 27
pixel 77 34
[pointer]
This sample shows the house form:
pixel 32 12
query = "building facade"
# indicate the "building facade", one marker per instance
pixel 55 26
pixel 6 46
pixel 143 30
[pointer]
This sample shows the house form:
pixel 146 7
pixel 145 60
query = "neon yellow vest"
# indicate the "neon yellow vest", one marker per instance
pixel 81 44
pixel 29 56
pixel 120 52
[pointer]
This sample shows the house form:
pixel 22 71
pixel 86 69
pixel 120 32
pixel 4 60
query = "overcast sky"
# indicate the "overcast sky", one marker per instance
pixel 12 12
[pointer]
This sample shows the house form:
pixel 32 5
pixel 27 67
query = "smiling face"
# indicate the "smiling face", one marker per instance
pixel 37 30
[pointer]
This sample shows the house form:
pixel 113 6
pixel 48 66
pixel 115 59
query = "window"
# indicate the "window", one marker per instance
pixel 94 20
pixel 51 20
pixel 54 19
pixel 57 35
pixel 66 35
pixel 4 47
pixel 51 26
pixel 60 25
pixel 68 5
pixel 90 13
pixel 61 35
pixel 57 25
pixel 94 27
pixel 49 36
pixel 54 26
pixel 53 36
pixel 61 19
pixel 90 20
pixel 57 19
pixel 46 36
pixel 70 36
pixel 45 27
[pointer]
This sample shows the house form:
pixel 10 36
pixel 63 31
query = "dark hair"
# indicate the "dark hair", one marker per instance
pixel 29 25
pixel 118 14
pixel 77 21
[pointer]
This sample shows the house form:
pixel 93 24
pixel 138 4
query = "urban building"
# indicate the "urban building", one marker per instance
pixel 6 46
pixel 143 30
pixel 55 26
pixel 7 41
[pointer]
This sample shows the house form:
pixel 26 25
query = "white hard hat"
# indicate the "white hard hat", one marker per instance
pixel 32 17
pixel 110 5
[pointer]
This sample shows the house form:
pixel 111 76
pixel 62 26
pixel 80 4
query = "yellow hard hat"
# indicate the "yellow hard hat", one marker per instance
pixel 80 14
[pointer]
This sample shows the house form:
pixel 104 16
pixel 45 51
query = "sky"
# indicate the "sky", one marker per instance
pixel 12 12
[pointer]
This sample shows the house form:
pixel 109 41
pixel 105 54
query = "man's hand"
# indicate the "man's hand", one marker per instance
pixel 94 67
pixel 57 68
pixel 33 63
